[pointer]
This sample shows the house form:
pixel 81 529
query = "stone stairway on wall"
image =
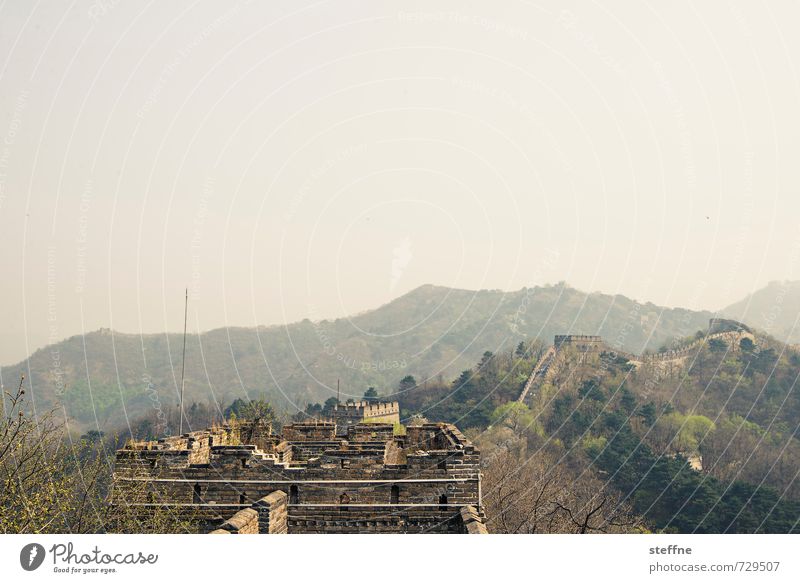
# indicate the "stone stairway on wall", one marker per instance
pixel 538 371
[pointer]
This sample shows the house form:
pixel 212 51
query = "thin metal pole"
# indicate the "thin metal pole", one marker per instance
pixel 183 364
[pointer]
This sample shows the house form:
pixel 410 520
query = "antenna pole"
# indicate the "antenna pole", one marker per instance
pixel 183 363
pixel 337 391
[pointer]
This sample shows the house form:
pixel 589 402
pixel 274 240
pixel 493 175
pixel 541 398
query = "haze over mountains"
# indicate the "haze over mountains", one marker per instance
pixel 105 378
pixel 774 309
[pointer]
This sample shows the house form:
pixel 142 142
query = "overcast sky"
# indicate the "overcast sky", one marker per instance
pixel 302 159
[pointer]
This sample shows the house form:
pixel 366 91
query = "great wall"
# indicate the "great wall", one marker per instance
pixel 663 363
pixel 313 477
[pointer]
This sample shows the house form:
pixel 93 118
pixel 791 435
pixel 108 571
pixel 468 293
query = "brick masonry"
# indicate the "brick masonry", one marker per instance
pixel 308 479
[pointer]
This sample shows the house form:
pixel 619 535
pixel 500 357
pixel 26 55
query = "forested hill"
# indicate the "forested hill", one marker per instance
pixel 708 445
pixel 105 378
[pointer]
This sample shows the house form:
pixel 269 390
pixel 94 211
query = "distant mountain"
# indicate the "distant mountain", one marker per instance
pixel 775 309
pixel 104 378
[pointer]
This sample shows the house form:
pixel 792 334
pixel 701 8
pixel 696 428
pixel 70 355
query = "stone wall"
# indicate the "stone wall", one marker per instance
pixel 377 482
pixel 471 521
pixel 243 522
pixel 269 516
pixel 370 432
pixel 580 341
pixel 273 513
pixel 310 431
pixel 388 520
pixel 348 414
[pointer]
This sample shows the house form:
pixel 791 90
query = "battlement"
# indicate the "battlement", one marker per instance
pixel 196 446
pixel 367 408
pixel 347 414
pixel 436 436
pixel 577 340
pixel 368 480
pixel 378 407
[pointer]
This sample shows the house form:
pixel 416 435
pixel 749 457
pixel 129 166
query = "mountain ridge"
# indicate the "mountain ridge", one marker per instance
pixel 108 377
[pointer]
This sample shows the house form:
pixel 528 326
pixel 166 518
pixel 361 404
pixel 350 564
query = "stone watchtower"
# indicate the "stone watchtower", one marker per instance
pixel 351 413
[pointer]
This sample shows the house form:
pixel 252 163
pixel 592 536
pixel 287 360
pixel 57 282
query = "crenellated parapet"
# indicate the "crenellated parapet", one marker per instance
pixel 585 348
pixel 370 480
pixel 352 413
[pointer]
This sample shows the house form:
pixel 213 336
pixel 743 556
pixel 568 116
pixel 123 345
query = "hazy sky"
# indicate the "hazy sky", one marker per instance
pixel 313 159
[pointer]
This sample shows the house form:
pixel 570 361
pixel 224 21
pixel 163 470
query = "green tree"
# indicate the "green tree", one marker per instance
pixel 464 386
pixel 257 409
pixel 517 417
pixel 717 345
pixel 591 390
pixel 486 360
pixel 627 400
pixel 313 410
pixel 695 428
pixel 49 484
pixel 648 413
pixel 407 383
pixel 329 406
pixel 93 436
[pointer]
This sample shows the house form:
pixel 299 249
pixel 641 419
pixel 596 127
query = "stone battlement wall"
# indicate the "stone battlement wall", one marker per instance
pixel 729 331
pixel 380 409
pixel 577 339
pixel 199 443
pixel 271 517
pixel 472 521
pixel 677 355
pixel 376 407
pixel 347 414
pixel 267 516
pixel 667 363
pixel 436 436
pixel 424 477
pixel 365 410
pixel 243 522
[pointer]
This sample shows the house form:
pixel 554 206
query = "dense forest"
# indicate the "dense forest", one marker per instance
pixel 710 449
